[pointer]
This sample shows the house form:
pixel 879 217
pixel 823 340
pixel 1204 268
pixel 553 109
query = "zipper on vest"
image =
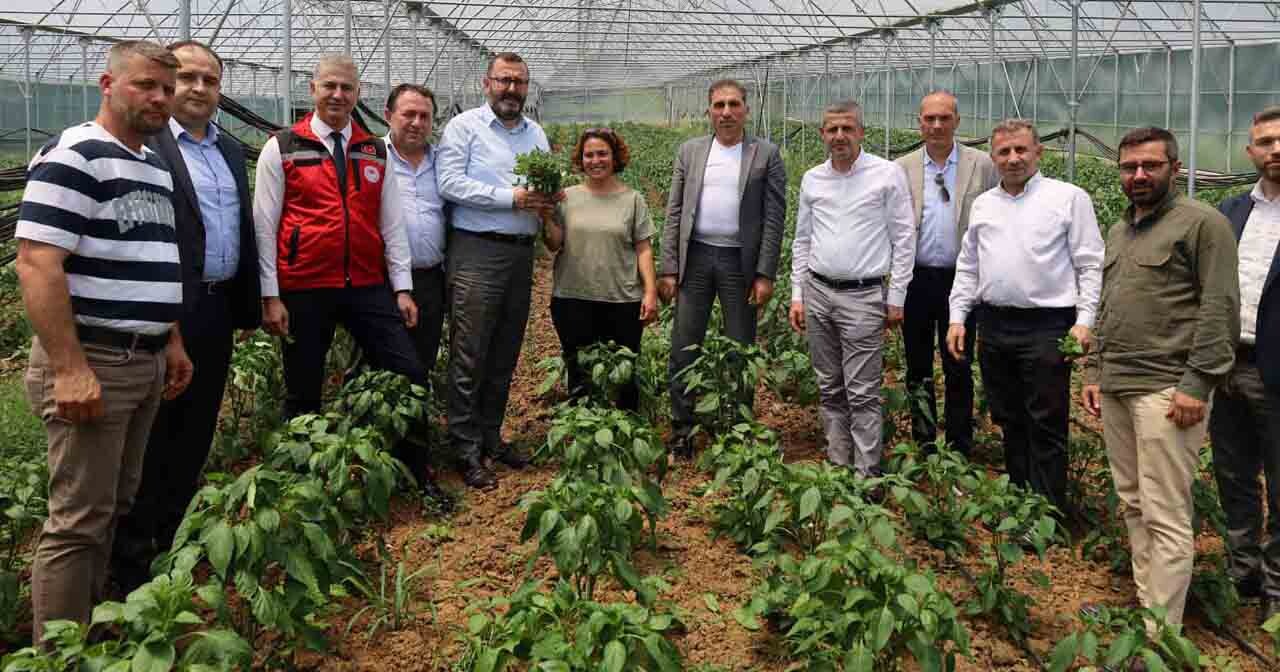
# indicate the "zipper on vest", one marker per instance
pixel 346 229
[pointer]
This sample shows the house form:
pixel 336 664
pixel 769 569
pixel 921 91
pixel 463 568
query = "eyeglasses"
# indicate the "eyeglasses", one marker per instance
pixel 942 186
pixel 509 82
pixel 1147 167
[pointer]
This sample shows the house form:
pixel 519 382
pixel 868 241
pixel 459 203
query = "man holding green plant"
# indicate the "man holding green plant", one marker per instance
pixel 490 265
pixel 1167 328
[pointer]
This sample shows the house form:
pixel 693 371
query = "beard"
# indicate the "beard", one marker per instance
pixel 139 122
pixel 508 106
pixel 1154 195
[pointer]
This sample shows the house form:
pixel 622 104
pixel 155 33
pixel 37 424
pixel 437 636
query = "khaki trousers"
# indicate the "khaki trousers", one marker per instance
pixel 94 471
pixel 1153 463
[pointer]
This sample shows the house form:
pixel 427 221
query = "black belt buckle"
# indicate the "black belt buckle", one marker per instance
pixel 841 285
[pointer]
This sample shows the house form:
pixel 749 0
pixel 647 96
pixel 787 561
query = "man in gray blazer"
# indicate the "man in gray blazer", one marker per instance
pixel 722 237
pixel 944 177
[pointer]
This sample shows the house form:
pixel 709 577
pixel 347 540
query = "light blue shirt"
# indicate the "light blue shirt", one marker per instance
pixel 939 242
pixel 424 210
pixel 474 170
pixel 218 198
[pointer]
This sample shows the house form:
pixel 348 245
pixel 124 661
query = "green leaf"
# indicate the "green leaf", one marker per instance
pixel 746 618
pixel 883 629
pixel 809 502
pixel 708 404
pixel 859 659
pixel 220 544
pixel 604 437
pixel 713 605
pixel 615 657
pixel 153 657
pixel 1064 653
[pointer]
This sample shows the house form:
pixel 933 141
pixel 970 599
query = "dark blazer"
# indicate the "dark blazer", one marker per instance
pixel 246 289
pixel 762 188
pixel 1237 210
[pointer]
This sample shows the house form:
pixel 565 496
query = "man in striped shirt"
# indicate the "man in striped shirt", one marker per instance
pixel 99 266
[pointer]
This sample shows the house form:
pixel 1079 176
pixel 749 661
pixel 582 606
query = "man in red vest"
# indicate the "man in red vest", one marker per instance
pixel 332 245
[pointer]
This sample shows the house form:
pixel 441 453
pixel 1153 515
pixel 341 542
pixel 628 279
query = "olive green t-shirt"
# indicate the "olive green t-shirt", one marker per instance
pixel 598 261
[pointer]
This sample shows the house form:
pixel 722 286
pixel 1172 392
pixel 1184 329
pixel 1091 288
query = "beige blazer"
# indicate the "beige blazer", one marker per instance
pixel 975 173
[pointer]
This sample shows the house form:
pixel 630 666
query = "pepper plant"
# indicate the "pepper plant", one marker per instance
pixel 1113 636
pixel 722 381
pixel 605 444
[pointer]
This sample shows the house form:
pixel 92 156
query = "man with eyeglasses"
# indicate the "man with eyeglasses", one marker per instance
pixel 1167 328
pixel 1030 265
pixel 490 264
pixel 945 177
pixel 1245 423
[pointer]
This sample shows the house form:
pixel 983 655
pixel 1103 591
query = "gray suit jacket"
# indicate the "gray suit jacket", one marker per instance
pixel 762 187
pixel 975 173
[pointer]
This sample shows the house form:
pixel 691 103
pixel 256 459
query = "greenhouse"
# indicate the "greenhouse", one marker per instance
pixel 662 493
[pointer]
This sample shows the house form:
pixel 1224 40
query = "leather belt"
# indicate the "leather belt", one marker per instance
pixel 516 238
pixel 846 284
pixel 121 339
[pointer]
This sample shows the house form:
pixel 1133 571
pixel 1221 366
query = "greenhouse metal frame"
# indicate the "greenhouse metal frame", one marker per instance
pixel 1201 68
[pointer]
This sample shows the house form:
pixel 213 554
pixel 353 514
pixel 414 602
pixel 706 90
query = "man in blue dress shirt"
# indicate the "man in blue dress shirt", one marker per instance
pixel 490 265
pixel 220 294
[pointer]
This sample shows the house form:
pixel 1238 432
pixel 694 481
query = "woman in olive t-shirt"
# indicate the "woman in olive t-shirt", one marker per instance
pixel 605 285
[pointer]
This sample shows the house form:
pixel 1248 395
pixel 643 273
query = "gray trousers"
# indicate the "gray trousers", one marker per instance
pixel 846 337
pixel 1245 429
pixel 710 272
pixel 489 292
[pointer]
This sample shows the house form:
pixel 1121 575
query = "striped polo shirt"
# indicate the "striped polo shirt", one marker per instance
pixel 112 209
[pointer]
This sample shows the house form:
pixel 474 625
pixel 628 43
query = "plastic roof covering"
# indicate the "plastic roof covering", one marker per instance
pixel 571 44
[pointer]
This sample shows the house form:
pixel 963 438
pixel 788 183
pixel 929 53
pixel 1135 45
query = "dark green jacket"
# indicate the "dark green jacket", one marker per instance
pixel 1170 310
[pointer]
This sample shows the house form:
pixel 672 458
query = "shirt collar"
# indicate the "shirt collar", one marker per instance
pixel 831 166
pixel 210 133
pixel 1026 188
pixel 952 159
pixel 490 118
pixel 427 159
pixel 323 130
pixel 1170 199
pixel 1258 197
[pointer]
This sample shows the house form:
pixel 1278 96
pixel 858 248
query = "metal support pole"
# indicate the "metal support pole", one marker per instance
pixel 853 69
pixel 1035 90
pixel 785 134
pixel 1195 97
pixel 1073 101
pixel 26 79
pixel 1231 99
pixel 184 18
pixel 933 50
pixel 1168 86
pixel 346 27
pixel 84 73
pixel 826 79
pixel 415 16
pixel 448 46
pixel 991 69
pixel 1115 99
pixel 286 65
pixel 888 106
pixel 386 48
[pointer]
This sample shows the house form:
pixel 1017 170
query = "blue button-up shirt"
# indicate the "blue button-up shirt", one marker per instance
pixel 474 170
pixel 424 208
pixel 218 198
pixel 939 241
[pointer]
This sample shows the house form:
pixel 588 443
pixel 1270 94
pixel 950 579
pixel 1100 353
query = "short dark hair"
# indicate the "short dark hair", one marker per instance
pixel 505 57
pixel 727 84
pixel 410 88
pixel 121 52
pixel 182 44
pixel 1014 126
pixel 1141 136
pixel 621 154
pixel 1268 113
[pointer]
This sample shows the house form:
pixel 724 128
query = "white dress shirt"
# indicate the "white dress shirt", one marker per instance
pixel 854 226
pixel 1257 251
pixel 424 218
pixel 1039 249
pixel 716 222
pixel 268 203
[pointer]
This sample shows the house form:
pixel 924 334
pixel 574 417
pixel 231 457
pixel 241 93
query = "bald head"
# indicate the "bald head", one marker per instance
pixel 939 118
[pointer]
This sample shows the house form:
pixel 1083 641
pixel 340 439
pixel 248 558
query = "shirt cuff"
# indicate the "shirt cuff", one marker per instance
pixel 402 281
pixel 1084 318
pixel 1197 385
pixel 505 198
pixel 897 297
pixel 797 294
pixel 270 288
pixel 958 316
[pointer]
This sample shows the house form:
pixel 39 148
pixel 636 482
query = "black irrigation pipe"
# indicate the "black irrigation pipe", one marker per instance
pixel 1241 643
pixel 1020 641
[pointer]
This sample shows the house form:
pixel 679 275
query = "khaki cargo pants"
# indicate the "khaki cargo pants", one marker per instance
pixel 1153 463
pixel 94 471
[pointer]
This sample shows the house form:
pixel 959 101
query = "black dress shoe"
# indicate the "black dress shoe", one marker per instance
pixel 1249 588
pixel 510 456
pixel 682 447
pixel 435 497
pixel 476 475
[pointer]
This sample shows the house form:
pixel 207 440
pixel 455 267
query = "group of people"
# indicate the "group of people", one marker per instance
pixel 141 252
